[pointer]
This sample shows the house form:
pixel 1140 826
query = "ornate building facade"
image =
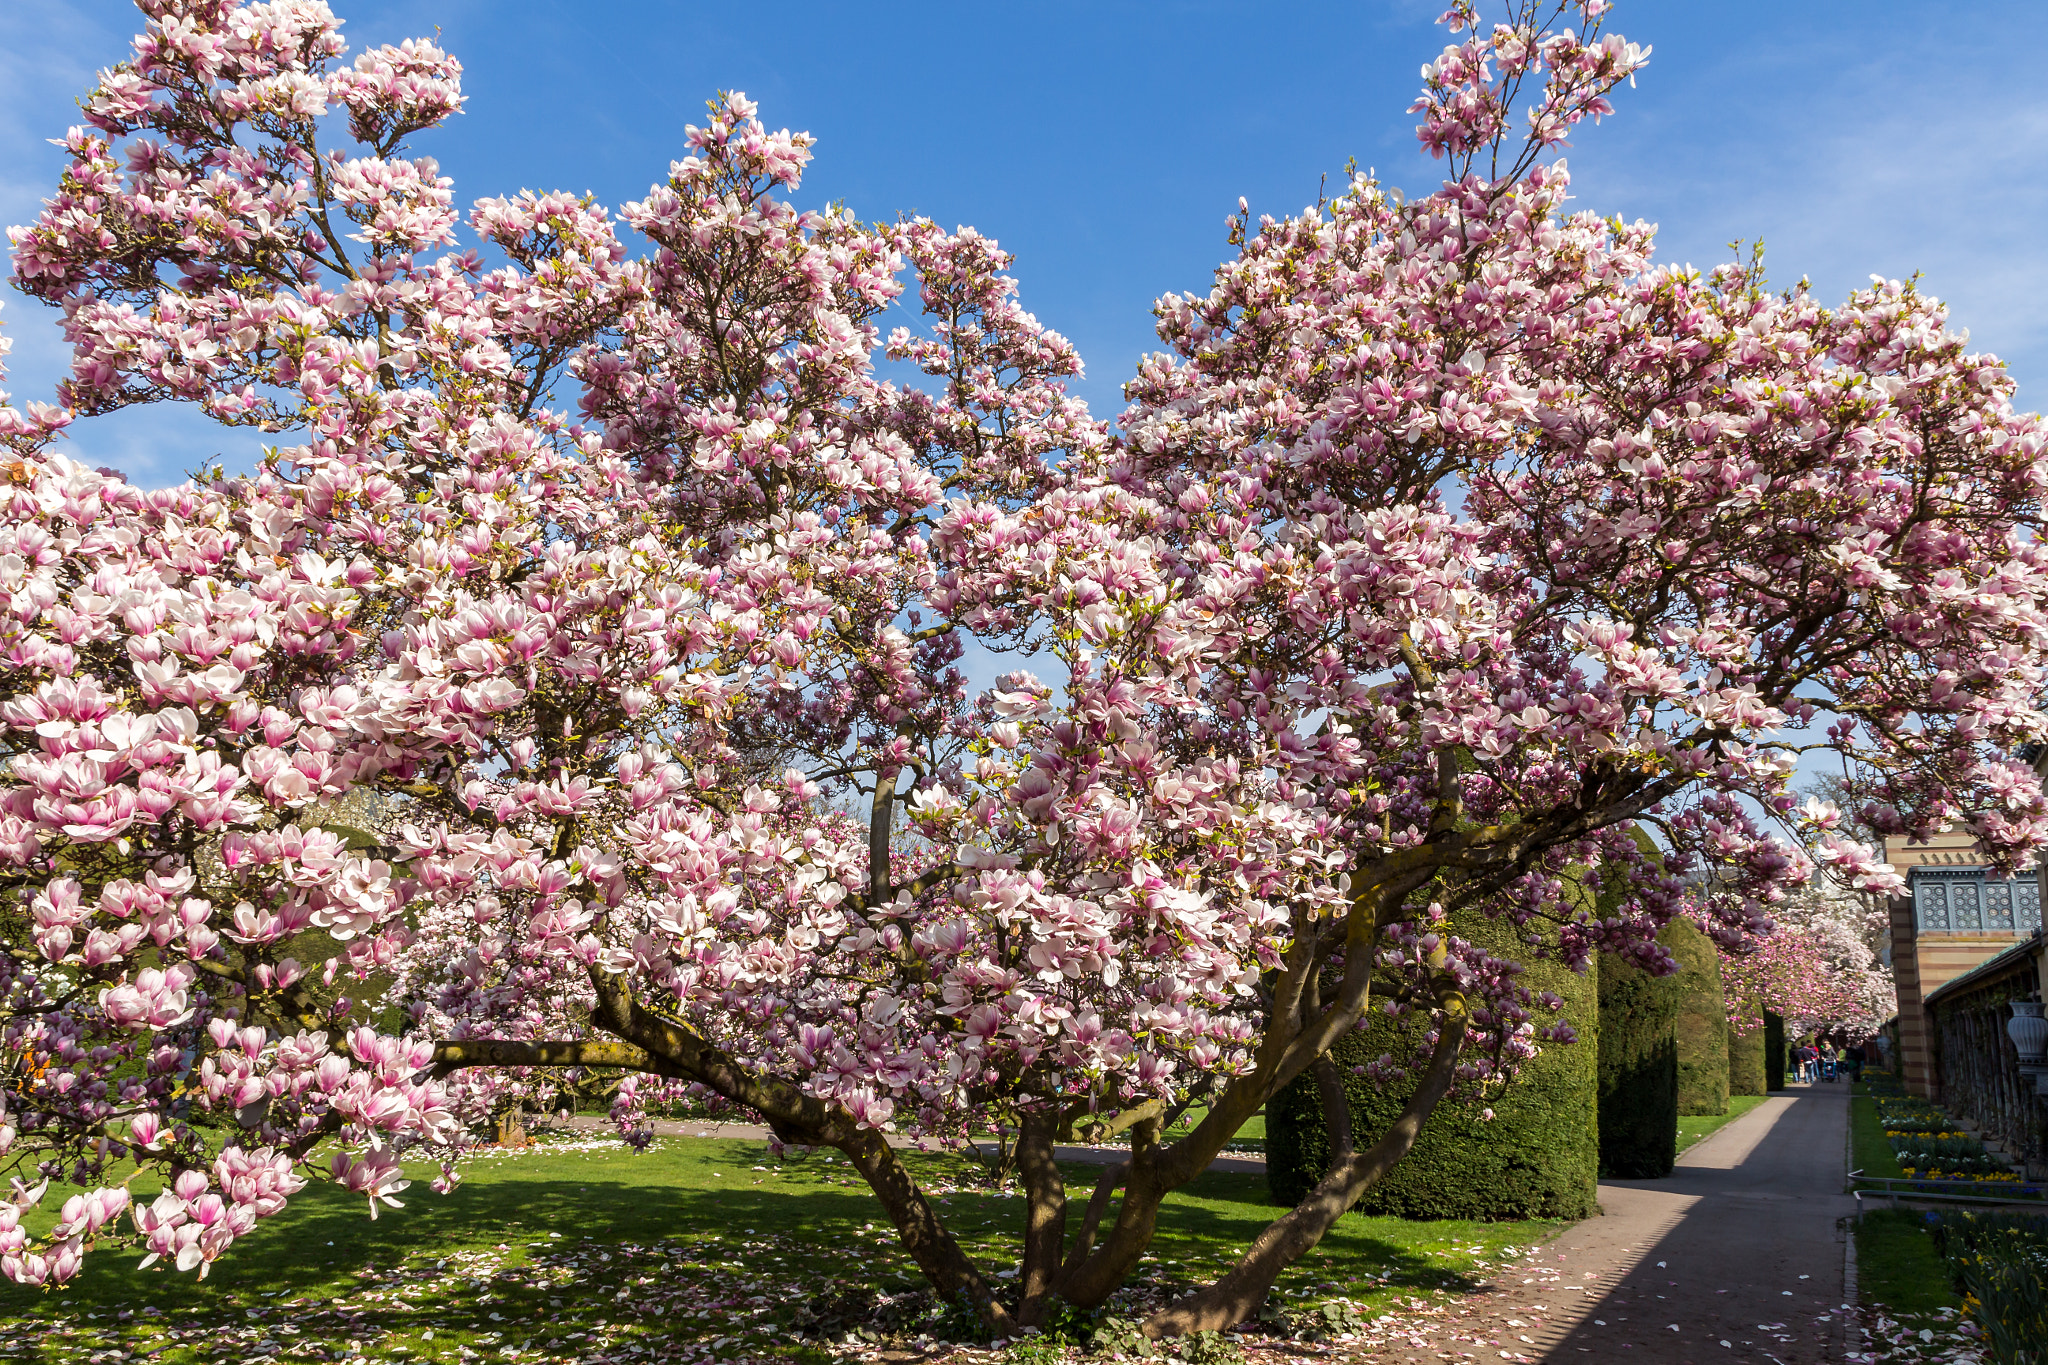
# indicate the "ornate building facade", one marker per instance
pixel 1955 916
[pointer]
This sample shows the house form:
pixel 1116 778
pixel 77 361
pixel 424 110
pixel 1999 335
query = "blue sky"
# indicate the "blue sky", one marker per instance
pixel 1104 143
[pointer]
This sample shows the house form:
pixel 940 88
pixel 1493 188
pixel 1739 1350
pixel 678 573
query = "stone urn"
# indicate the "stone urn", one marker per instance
pixel 2028 1030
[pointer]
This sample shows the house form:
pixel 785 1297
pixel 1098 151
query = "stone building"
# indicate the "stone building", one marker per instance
pixel 1974 1068
pixel 1955 916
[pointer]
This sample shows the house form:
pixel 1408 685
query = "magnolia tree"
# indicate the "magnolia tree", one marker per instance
pixel 1818 968
pixel 1448 540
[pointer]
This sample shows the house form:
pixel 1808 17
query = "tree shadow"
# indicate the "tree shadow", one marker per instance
pixel 806 1231
pixel 1759 1320
pixel 1741 1260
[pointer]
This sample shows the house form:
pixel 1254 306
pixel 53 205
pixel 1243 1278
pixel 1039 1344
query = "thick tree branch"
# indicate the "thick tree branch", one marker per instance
pixel 880 822
pixel 453 1056
pixel 1237 1295
pixel 1100 1128
pixel 1045 1211
pixel 806 1119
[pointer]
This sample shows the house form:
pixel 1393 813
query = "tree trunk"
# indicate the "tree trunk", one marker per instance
pixel 512 1125
pixel 1094 1272
pixel 806 1119
pixel 1238 1294
pixel 1089 1273
pixel 1045 1213
pixel 1336 1110
pixel 923 1236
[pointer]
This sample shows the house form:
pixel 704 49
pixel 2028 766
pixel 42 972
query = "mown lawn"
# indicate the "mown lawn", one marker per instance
pixel 1868 1151
pixel 695 1250
pixel 1911 1311
pixel 1897 1265
pixel 1253 1132
pixel 1692 1128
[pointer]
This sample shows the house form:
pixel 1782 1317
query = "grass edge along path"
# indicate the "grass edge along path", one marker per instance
pixel 1869 1153
pixel 1898 1266
pixel 1902 1284
pixel 698 1250
pixel 1910 1312
pixel 1694 1129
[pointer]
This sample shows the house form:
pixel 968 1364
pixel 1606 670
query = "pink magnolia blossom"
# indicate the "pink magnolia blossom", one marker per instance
pixel 1818 968
pixel 602 562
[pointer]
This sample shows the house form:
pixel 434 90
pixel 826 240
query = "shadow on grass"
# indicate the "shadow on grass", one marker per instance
pixel 690 1221
pixel 325 1234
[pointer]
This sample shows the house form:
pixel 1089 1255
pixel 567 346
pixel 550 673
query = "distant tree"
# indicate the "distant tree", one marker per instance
pixel 1817 968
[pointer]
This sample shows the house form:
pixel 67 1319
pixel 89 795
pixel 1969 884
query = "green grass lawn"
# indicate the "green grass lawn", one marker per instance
pixel 1693 1127
pixel 1254 1130
pixel 1913 1313
pixel 697 1249
pixel 1897 1265
pixel 1868 1151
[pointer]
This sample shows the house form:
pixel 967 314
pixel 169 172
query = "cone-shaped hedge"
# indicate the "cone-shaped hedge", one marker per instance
pixel 1638 1071
pixel 1702 1020
pixel 1746 1056
pixel 1774 1051
pixel 1533 1159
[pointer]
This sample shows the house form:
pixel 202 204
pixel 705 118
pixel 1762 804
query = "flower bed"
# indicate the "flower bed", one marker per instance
pixel 1999 1262
pixel 1903 1111
pixel 1930 1145
pixel 1979 1177
pixel 1951 1152
pixel 1931 1125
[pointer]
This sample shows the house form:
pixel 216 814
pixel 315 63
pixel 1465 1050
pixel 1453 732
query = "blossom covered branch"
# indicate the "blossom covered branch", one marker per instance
pixel 586 659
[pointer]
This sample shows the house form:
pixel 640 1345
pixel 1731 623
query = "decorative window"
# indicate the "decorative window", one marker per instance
pixel 1930 901
pixel 1998 906
pixel 1964 900
pixel 1965 905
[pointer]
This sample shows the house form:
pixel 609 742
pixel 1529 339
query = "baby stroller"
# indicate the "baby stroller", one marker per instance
pixel 1827 1068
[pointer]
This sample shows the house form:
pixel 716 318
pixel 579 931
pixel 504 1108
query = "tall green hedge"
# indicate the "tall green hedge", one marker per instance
pixel 1774 1051
pixel 1533 1159
pixel 1638 1071
pixel 1746 1074
pixel 1702 1020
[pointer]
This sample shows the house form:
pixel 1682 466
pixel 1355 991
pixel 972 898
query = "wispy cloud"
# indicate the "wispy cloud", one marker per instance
pixel 1855 139
pixel 1924 158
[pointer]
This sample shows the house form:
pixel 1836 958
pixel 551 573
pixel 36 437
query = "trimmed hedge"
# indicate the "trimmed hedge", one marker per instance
pixel 1638 1100
pixel 1774 1051
pixel 1702 1020
pixel 1534 1159
pixel 1746 1056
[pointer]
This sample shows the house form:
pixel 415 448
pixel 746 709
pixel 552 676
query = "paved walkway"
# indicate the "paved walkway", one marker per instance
pixel 1737 1256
